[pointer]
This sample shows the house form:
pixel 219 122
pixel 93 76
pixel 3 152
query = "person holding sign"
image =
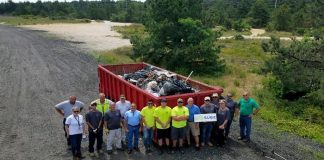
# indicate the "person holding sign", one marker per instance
pixel 179 116
pixel 207 127
pixel 223 115
pixel 162 116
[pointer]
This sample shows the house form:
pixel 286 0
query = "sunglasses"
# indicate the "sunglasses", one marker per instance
pixel 76 111
pixel 207 100
pixel 244 94
pixel 180 102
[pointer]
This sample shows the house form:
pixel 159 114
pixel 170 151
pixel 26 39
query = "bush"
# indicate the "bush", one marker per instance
pixel 238 37
pixel 274 85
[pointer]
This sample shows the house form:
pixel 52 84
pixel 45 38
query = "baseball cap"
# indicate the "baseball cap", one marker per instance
pixel 215 95
pixel 163 100
pixel 207 98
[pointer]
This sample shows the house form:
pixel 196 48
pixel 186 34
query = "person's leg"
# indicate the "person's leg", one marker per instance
pixel 181 136
pixel 92 138
pixel 99 140
pixel 188 134
pixel 130 137
pixel 73 139
pixel 248 127
pixel 222 137
pixel 174 137
pixel 228 125
pixel 195 133
pixel 65 134
pixel 136 136
pixel 118 138
pixel 110 140
pixel 151 133
pixel 203 134
pixel 208 132
pixel 146 137
pixel 242 127
pixel 78 145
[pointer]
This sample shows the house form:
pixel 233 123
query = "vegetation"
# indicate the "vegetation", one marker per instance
pixel 177 39
pixel 30 20
pixel 131 31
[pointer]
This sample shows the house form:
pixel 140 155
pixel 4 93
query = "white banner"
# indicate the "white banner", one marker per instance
pixel 211 117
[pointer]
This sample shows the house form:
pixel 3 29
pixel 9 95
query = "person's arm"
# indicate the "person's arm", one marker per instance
pixel 59 111
pixel 126 123
pixel 257 109
pixel 67 122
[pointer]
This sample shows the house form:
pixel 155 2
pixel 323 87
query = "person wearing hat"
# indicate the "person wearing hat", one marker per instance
pixel 207 127
pixel 148 123
pixel 232 106
pixel 123 106
pixel 162 116
pixel 215 99
pixel 179 116
pixel 94 121
pixel 102 103
pixel 223 115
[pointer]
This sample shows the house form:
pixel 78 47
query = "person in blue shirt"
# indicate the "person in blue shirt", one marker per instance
pixel 192 126
pixel 132 125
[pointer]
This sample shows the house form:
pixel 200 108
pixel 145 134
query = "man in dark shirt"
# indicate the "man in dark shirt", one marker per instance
pixel 94 122
pixel 232 106
pixel 207 127
pixel 113 122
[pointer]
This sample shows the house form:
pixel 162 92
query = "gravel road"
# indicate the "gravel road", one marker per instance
pixel 36 72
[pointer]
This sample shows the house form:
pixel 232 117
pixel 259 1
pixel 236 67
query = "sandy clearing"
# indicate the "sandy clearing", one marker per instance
pixel 92 36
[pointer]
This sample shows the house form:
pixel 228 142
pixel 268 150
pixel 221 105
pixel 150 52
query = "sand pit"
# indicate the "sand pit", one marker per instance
pixel 92 36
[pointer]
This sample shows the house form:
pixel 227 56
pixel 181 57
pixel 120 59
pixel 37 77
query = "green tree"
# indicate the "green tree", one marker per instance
pixel 281 18
pixel 299 67
pixel 177 39
pixel 259 13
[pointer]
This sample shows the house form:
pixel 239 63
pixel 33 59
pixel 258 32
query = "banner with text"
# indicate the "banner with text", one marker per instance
pixel 211 117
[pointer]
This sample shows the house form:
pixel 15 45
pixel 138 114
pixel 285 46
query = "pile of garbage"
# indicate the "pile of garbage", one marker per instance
pixel 157 82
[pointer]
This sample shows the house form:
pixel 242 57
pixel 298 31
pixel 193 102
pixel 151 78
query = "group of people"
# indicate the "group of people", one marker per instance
pixel 122 123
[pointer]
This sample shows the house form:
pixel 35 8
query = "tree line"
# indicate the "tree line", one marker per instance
pixel 283 15
pixel 122 11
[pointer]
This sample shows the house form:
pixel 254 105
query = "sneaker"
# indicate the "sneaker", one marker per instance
pixel 203 144
pixel 181 150
pixel 136 149
pixel 80 156
pixel 92 154
pixel 197 148
pixel 109 152
pixel 160 151
pixel 169 150
pixel 129 151
pixel 210 144
pixel 173 150
pixel 240 138
pixel 100 151
pixel 246 140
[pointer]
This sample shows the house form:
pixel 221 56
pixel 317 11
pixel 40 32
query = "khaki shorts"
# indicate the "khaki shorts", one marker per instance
pixel 191 126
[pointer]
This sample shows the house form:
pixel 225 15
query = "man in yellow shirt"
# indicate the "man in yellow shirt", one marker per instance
pixel 179 115
pixel 149 125
pixel 103 103
pixel 162 115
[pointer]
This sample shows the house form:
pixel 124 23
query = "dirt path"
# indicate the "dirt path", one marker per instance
pixel 92 36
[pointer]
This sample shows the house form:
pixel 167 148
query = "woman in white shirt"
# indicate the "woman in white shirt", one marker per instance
pixel 74 126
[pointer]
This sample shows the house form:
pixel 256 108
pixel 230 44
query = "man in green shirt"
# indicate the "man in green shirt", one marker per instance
pixel 248 109
pixel 179 116
pixel 149 125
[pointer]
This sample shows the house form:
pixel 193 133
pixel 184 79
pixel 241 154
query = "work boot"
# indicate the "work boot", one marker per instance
pixel 160 150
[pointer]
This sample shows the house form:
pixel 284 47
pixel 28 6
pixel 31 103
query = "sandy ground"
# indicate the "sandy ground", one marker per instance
pixel 92 36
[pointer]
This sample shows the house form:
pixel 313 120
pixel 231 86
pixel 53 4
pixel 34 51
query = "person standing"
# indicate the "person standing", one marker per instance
pixel 148 124
pixel 162 116
pixel 248 108
pixel 215 99
pixel 94 122
pixel 65 109
pixel 207 127
pixel 103 103
pixel 132 120
pixel 113 122
pixel 232 106
pixel 179 116
pixel 223 115
pixel 74 126
pixel 192 126
pixel 123 106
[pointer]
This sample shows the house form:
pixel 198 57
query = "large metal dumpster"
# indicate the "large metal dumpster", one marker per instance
pixel 113 86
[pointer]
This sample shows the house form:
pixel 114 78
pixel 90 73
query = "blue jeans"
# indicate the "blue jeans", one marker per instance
pixel 133 132
pixel 228 125
pixel 148 136
pixel 245 127
pixel 76 144
pixel 206 131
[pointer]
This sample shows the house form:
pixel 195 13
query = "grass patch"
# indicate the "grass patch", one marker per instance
pixel 277 34
pixel 32 20
pixel 129 31
pixel 116 56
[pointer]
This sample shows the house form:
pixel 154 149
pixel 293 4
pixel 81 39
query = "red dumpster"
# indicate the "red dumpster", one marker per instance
pixel 113 86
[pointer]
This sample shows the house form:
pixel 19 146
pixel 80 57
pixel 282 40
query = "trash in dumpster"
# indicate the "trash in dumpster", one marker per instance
pixel 157 82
